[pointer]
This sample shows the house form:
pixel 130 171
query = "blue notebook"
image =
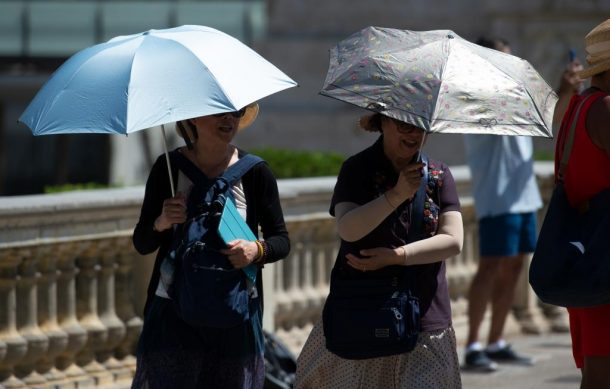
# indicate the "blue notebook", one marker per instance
pixel 232 226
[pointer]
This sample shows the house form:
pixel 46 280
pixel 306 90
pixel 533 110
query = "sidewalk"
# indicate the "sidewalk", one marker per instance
pixel 553 369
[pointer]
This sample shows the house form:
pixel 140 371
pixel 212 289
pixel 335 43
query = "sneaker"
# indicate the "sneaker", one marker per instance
pixel 560 325
pixel 477 360
pixel 508 355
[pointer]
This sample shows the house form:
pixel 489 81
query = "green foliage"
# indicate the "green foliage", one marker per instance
pixel 300 163
pixel 73 187
pixel 544 155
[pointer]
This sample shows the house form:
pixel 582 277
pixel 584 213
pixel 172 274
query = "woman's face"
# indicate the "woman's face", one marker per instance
pixel 222 128
pixel 401 141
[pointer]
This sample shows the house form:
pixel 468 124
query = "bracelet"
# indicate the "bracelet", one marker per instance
pixel 261 251
pixel 404 253
pixel 265 251
pixel 387 199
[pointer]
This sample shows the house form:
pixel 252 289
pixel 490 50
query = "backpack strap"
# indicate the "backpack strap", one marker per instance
pixel 571 132
pixel 241 167
pixel 189 169
pixel 416 225
pixel 231 175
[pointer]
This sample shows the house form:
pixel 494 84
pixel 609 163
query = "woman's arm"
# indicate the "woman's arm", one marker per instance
pixel 445 244
pixel 569 85
pixel 598 124
pixel 355 222
pixel 145 238
pixel 273 227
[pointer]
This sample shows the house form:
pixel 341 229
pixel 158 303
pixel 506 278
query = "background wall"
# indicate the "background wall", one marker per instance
pixel 293 34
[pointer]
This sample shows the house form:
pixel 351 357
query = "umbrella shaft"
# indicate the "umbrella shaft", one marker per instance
pixel 169 166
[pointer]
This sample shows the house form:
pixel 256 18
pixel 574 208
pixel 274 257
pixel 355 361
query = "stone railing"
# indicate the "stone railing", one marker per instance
pixel 72 287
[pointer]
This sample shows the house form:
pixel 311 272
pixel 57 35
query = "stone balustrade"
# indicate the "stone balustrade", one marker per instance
pixel 72 287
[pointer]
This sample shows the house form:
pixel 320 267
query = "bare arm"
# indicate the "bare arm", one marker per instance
pixel 570 84
pixel 598 124
pixel 445 244
pixel 354 221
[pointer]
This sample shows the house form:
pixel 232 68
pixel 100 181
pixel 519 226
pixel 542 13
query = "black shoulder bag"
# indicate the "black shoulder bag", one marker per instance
pixel 571 263
pixel 370 318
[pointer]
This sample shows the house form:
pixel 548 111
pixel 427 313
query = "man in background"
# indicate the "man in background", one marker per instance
pixel 506 199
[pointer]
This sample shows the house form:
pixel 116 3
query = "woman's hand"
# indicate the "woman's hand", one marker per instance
pixel 241 252
pixel 376 258
pixel 174 212
pixel 570 83
pixel 406 186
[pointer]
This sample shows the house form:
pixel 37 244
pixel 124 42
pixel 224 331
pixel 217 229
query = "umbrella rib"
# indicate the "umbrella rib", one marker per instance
pixel 366 97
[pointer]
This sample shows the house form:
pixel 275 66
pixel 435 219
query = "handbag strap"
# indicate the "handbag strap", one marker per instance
pixel 567 147
pixel 416 225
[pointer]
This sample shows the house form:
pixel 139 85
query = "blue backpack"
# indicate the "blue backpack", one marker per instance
pixel 206 289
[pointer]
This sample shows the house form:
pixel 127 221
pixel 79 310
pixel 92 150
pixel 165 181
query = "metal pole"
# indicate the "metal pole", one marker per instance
pixel 169 166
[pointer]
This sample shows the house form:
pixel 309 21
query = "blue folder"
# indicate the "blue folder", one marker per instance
pixel 232 226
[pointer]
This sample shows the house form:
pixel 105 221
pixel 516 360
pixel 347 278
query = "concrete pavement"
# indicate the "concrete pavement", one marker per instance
pixel 554 367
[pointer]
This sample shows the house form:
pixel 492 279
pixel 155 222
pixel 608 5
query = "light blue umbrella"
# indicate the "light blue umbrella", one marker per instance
pixel 149 79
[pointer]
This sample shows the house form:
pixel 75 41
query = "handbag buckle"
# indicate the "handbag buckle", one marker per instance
pixel 397 313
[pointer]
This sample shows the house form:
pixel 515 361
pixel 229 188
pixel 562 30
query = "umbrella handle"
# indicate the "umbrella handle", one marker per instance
pixel 417 157
pixel 169 166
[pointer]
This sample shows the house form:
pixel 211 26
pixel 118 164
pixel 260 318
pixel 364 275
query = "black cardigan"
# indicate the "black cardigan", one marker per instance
pixel 262 208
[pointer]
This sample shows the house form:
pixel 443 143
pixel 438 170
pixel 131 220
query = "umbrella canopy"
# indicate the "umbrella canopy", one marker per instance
pixel 440 82
pixel 148 79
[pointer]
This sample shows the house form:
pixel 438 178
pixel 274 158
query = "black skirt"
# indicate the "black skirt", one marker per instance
pixel 173 354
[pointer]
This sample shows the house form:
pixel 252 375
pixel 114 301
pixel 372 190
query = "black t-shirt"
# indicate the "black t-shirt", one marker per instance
pixel 366 176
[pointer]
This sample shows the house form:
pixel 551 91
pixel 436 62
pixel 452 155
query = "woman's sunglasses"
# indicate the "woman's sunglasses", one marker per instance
pixel 235 114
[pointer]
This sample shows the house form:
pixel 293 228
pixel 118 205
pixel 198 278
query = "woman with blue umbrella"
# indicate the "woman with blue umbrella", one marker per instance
pixel 208 83
pixel 172 352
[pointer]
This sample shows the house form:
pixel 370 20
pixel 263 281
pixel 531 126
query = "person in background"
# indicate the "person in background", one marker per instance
pixel 587 174
pixel 506 200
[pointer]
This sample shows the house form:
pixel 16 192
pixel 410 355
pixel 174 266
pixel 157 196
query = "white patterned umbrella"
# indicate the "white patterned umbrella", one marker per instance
pixel 440 82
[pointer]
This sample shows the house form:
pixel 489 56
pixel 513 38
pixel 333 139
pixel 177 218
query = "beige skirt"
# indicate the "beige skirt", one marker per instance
pixel 432 364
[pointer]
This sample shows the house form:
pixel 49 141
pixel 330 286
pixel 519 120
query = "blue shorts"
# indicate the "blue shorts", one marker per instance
pixel 507 235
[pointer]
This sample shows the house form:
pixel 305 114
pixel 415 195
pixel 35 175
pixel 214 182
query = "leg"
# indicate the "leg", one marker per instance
pixel 480 294
pixel 596 373
pixel 525 302
pixel 478 297
pixel 503 293
pixel 520 238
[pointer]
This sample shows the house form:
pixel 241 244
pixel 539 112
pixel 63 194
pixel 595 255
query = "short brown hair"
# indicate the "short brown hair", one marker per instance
pixel 371 123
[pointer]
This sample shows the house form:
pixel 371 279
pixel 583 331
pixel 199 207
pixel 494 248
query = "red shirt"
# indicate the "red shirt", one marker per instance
pixel 588 170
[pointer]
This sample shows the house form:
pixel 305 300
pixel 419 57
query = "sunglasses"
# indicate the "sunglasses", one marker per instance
pixel 406 128
pixel 235 114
